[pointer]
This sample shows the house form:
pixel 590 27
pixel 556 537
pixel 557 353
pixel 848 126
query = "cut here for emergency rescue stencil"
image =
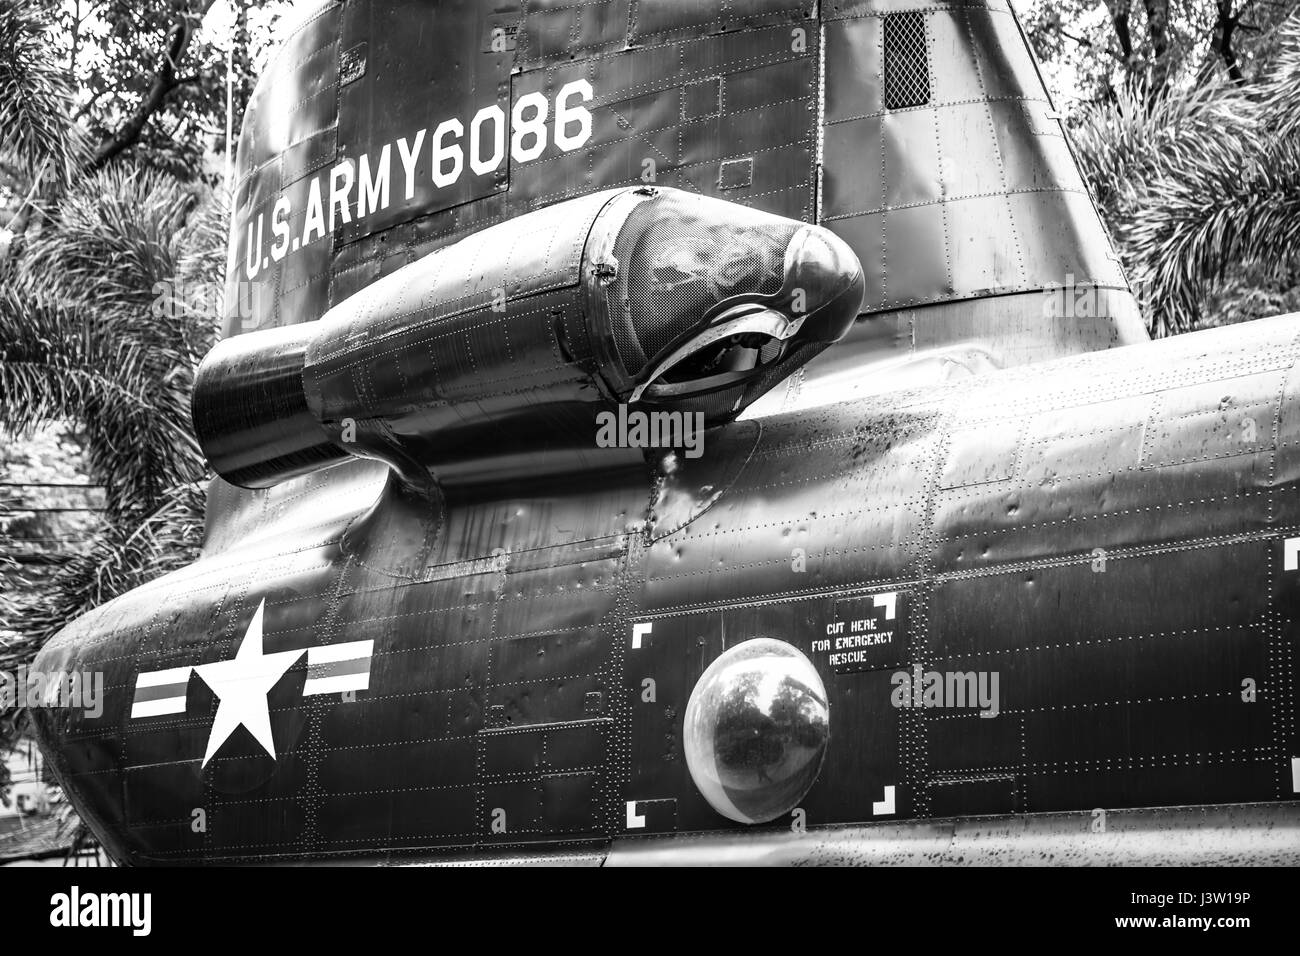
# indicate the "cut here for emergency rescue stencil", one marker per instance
pixel 367 183
pixel 861 641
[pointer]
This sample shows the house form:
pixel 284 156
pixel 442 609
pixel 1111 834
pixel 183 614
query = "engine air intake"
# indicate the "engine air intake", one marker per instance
pixel 491 358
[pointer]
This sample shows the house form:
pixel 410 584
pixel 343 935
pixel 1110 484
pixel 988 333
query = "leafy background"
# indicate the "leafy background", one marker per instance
pixel 113 220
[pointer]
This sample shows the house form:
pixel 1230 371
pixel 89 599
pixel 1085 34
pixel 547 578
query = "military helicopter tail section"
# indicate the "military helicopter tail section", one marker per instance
pixel 939 550
pixel 923 136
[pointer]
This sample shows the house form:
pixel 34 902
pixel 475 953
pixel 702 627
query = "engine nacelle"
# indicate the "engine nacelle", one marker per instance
pixel 490 359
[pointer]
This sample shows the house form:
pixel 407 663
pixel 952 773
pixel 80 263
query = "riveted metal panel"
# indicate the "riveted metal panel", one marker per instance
pixel 963 187
pixel 436 48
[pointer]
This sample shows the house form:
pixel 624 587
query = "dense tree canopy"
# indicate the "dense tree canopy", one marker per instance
pixel 1154 46
pixel 1191 147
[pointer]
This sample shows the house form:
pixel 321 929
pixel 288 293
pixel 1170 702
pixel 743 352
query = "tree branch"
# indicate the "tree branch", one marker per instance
pixel 1158 32
pixel 164 82
pixel 1119 17
pixel 1224 27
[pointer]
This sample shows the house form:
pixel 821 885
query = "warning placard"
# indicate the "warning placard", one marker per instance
pixel 862 634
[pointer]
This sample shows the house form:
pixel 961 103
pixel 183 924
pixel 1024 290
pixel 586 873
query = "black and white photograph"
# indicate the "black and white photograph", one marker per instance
pixel 644 435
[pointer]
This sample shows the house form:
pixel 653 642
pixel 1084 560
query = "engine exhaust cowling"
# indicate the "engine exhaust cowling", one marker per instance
pixel 492 357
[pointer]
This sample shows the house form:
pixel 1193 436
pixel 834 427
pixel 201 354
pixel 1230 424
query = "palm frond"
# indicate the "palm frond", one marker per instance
pixel 1282 102
pixel 1200 185
pixel 131 392
pixel 1228 207
pixel 1124 145
pixel 36 103
pixel 115 241
pixel 116 561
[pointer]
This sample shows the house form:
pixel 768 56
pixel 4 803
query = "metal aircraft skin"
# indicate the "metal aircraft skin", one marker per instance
pixel 962 568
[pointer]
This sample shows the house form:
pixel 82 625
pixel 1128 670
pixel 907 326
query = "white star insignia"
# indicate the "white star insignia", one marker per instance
pixel 241 685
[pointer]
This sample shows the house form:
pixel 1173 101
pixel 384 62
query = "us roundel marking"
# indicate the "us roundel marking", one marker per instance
pixel 242 684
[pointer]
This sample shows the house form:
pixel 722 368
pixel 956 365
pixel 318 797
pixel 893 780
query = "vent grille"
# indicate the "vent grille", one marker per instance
pixel 907 61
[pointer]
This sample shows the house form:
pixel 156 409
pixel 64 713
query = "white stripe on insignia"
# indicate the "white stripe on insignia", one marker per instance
pixel 176 675
pixel 332 653
pixel 154 705
pixel 332 669
pixel 156 708
pixel 338 668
